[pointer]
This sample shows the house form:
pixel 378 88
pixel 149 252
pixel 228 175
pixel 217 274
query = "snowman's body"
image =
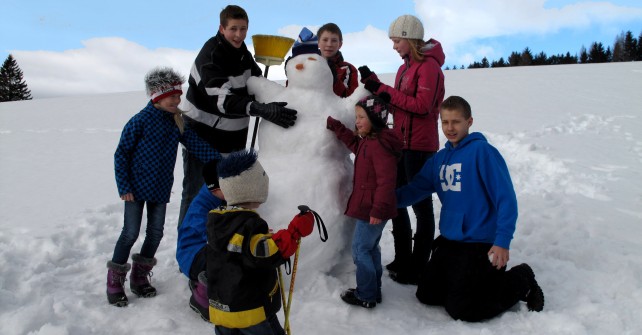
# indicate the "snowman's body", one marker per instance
pixel 306 163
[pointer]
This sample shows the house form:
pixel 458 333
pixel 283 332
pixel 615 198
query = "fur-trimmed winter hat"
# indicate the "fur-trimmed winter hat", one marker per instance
pixel 406 26
pixel 210 175
pixel 161 82
pixel 242 178
pixel 377 109
pixel 306 43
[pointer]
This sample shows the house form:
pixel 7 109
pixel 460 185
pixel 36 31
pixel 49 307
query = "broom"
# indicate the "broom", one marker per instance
pixel 269 50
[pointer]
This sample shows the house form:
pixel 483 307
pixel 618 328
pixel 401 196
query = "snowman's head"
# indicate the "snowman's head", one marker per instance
pixel 309 71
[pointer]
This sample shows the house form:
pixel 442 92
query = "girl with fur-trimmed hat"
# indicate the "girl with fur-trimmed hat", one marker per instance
pixel 416 95
pixel 144 164
pixel 372 202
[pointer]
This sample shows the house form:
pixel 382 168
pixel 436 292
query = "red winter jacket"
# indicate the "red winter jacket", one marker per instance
pixel 418 92
pixel 375 172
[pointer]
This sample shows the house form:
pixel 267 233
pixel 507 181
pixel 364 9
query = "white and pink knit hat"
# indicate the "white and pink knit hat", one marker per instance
pixel 163 82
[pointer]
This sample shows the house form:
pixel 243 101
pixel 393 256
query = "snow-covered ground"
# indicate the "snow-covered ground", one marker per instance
pixel 571 136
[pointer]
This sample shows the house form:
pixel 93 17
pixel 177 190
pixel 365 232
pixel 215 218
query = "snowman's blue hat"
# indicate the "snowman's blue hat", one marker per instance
pixel 306 43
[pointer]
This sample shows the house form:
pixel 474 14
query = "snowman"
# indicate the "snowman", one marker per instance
pixel 306 163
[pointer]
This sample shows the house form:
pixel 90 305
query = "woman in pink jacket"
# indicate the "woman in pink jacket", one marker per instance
pixel 417 93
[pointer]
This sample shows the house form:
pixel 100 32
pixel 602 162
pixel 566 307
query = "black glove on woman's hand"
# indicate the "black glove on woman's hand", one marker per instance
pixel 365 73
pixel 372 86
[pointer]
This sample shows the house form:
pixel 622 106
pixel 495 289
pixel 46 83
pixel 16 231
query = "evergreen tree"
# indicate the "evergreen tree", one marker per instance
pixel 630 47
pixel 526 58
pixel 568 59
pixel 583 55
pixel 12 85
pixel 540 59
pixel 500 63
pixel 638 54
pixel 618 48
pixel 597 53
pixel 485 63
pixel 514 58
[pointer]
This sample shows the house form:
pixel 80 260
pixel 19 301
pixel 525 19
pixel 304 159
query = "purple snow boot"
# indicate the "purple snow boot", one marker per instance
pixel 116 276
pixel 140 276
pixel 198 301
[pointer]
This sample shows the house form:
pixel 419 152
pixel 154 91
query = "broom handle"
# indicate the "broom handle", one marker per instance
pixel 256 120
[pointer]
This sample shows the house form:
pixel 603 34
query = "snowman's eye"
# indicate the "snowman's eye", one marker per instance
pixel 312 58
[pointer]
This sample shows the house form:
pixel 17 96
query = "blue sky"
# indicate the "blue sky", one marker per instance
pixel 78 47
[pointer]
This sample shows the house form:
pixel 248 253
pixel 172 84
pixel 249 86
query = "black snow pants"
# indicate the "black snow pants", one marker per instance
pixel 460 277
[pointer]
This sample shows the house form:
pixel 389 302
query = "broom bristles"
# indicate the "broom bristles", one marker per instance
pixel 271 46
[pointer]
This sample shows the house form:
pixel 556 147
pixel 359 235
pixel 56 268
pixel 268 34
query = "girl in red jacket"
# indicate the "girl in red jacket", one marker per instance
pixel 372 202
pixel 417 93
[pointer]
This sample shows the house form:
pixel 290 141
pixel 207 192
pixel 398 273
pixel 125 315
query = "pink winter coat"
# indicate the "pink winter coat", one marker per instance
pixel 418 92
pixel 375 171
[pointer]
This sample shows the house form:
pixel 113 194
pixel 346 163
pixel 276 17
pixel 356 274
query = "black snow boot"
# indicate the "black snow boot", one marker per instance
pixel 141 275
pixel 349 297
pixel 116 277
pixel 535 296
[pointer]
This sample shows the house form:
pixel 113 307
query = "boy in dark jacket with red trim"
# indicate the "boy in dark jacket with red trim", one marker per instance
pixel 346 77
pixel 242 254
pixel 373 200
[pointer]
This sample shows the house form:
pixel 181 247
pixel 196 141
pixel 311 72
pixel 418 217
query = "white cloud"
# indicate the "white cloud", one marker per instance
pixel 458 22
pixel 115 64
pixel 103 65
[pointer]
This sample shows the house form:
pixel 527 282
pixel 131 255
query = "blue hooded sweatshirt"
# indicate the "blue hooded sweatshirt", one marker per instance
pixel 475 189
pixel 192 234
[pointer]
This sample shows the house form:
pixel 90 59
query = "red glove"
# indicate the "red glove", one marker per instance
pixel 287 245
pixel 332 123
pixel 301 225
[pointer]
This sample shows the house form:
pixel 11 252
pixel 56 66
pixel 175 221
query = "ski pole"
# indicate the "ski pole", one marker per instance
pixel 289 304
pixel 323 234
pixel 285 311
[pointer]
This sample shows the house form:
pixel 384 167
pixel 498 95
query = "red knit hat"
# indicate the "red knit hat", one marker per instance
pixel 163 82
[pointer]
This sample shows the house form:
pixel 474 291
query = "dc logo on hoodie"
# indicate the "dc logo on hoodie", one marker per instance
pixel 450 177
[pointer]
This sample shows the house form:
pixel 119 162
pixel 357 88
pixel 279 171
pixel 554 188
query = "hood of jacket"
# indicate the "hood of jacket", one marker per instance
pixel 433 50
pixel 475 136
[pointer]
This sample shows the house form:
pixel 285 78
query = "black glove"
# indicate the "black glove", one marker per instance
pixel 372 86
pixel 274 112
pixel 365 73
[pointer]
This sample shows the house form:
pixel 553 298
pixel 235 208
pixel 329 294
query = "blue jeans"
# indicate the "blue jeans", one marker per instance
pixel 131 229
pixel 192 182
pixel 270 326
pixel 366 255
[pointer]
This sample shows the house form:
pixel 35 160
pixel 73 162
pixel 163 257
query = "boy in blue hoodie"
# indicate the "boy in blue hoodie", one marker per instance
pixel 467 271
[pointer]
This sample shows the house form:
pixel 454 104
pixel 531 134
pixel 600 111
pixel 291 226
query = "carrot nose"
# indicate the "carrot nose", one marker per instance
pixel 299 67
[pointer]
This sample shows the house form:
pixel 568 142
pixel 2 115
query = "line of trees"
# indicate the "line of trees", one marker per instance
pixel 626 48
pixel 12 84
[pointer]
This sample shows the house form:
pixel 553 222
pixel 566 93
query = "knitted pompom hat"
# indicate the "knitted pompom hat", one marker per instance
pixel 406 26
pixel 162 82
pixel 306 43
pixel 242 178
pixel 377 109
